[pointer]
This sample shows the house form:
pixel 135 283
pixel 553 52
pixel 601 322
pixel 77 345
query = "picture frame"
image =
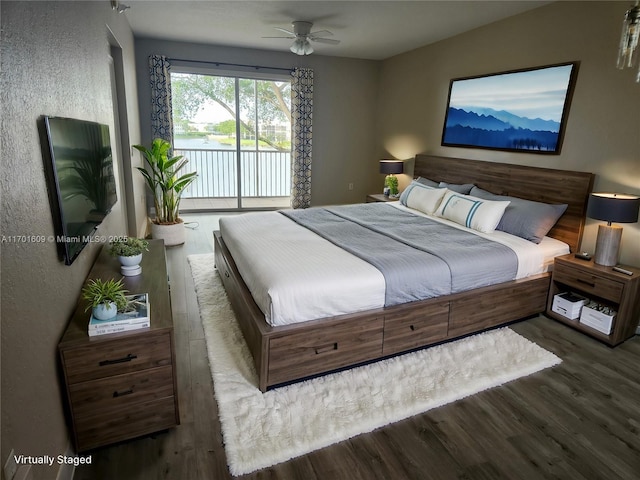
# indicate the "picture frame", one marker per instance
pixel 519 110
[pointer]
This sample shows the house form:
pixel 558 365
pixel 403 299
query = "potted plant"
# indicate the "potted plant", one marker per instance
pixel 391 181
pixel 167 186
pixel 129 251
pixel 105 297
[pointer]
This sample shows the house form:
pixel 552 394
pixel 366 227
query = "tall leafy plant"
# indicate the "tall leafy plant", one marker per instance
pixel 162 178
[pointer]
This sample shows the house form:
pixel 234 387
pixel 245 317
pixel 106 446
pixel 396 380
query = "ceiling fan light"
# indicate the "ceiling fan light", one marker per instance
pixel 301 46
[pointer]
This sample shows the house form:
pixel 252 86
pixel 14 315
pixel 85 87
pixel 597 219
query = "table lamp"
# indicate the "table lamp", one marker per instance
pixel 390 168
pixel 611 207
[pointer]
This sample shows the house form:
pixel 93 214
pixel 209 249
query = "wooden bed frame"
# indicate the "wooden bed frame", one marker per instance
pixel 287 353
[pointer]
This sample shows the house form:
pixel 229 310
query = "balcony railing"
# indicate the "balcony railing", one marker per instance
pixel 264 173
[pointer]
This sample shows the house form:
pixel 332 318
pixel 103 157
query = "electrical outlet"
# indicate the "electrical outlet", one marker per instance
pixel 351 186
pixel 10 466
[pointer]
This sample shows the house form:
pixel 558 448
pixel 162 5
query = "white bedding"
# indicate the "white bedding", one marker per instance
pixel 295 275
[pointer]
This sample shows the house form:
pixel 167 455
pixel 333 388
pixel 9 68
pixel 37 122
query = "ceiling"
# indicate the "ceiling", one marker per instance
pixel 366 29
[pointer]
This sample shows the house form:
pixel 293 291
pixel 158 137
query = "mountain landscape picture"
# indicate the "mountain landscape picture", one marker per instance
pixel 521 111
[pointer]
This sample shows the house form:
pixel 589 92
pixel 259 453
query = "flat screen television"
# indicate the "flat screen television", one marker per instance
pixel 82 188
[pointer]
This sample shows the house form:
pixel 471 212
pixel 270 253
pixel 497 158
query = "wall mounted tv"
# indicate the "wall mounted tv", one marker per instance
pixel 82 188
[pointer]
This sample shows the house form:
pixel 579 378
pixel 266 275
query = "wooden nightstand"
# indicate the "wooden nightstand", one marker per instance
pixel 618 291
pixel 379 197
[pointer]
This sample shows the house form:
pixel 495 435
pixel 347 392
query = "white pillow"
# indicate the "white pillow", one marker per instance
pixel 422 197
pixel 472 212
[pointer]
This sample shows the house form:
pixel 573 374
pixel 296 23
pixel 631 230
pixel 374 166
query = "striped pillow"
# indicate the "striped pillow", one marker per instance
pixel 471 212
pixel 422 197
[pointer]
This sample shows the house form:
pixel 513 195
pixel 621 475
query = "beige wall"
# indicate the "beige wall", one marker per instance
pixel 603 129
pixel 344 92
pixel 54 62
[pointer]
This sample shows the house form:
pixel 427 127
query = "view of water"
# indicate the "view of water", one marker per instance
pixel 266 173
pixel 202 143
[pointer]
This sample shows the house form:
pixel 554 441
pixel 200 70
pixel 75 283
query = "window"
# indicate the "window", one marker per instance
pixel 236 132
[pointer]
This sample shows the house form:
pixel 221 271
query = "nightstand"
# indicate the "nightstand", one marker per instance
pixel 379 197
pixel 618 291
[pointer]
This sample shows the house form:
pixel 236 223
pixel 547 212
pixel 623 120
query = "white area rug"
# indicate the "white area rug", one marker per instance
pixel 261 430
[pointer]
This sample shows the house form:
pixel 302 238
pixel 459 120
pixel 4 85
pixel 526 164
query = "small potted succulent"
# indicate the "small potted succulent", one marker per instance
pixel 105 297
pixel 129 251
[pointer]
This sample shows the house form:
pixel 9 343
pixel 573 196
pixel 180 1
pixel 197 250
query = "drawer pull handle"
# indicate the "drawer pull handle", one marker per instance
pixel 326 348
pixel 412 328
pixel 226 274
pixel 128 358
pixel 122 394
pixel 591 284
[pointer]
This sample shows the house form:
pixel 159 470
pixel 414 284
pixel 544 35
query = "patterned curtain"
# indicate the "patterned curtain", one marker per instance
pixel 302 114
pixel 161 114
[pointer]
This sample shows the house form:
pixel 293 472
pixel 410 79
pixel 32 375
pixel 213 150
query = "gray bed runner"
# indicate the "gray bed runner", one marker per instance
pixel 418 257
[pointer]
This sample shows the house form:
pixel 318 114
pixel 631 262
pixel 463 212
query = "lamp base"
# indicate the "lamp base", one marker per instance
pixel 607 245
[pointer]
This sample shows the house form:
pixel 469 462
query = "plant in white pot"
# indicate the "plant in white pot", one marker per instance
pixel 162 178
pixel 129 251
pixel 105 297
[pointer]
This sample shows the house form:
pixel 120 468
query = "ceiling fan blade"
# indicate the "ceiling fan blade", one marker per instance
pixel 321 33
pixel 330 41
pixel 285 31
pixel 290 38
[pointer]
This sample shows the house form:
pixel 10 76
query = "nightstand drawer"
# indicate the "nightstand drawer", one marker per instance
pixel 140 419
pixel 120 391
pixel 120 355
pixel 588 283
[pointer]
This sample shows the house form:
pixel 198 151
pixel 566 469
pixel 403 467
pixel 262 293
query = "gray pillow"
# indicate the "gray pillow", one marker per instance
pixel 524 218
pixel 427 182
pixel 458 188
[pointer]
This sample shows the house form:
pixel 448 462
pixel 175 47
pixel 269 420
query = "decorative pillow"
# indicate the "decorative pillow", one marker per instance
pixel 426 181
pixel 525 218
pixel 472 212
pixel 464 188
pixel 422 197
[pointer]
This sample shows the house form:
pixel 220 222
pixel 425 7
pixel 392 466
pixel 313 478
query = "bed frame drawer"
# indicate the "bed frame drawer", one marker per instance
pixel 408 329
pixel 488 307
pixel 324 349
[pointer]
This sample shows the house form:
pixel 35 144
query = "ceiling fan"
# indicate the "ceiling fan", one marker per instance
pixel 303 36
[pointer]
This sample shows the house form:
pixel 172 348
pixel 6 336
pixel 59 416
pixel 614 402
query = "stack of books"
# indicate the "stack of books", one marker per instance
pixel 135 316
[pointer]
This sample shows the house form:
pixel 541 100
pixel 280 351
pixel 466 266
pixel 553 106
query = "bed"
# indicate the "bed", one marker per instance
pixel 289 349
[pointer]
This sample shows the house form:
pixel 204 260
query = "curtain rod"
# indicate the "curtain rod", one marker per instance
pixel 217 64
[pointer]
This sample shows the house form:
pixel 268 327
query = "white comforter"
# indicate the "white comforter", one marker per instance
pixel 294 275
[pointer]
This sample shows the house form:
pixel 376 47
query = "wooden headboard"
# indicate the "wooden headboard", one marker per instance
pixel 531 183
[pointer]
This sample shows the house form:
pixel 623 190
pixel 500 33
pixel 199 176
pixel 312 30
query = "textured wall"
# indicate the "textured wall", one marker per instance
pixel 54 62
pixel 604 120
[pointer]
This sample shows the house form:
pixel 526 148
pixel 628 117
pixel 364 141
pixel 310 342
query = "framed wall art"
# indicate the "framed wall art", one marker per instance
pixel 521 110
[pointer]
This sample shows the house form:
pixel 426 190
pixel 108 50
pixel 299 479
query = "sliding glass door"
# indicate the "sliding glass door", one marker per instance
pixel 236 132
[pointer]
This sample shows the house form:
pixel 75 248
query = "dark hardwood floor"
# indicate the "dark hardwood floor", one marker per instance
pixel 579 420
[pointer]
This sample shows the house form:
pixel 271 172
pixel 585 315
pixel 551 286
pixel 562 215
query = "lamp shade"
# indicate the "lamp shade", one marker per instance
pixel 391 166
pixel 613 207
